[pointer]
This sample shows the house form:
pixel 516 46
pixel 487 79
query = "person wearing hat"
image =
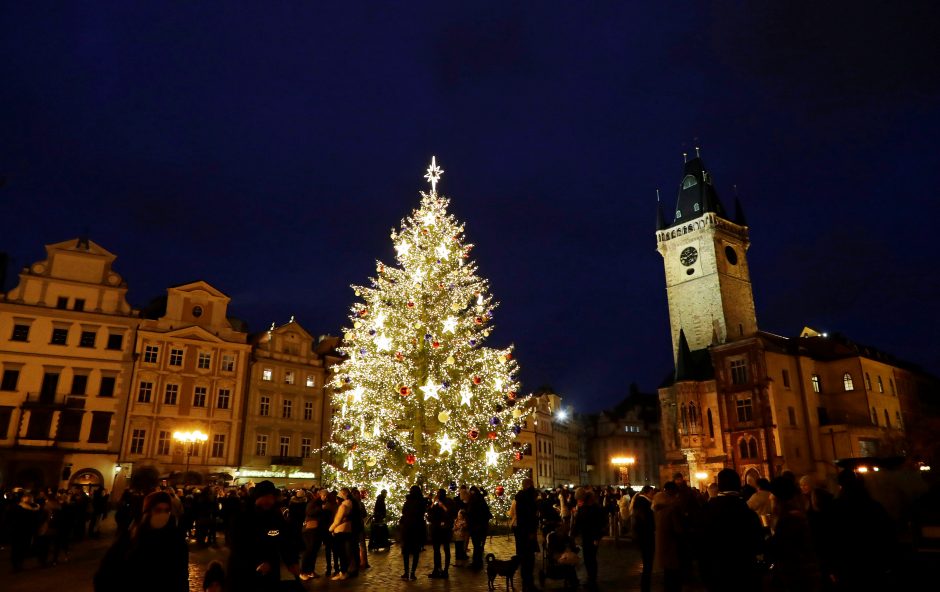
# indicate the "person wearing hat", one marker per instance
pixel 265 550
pixel 151 555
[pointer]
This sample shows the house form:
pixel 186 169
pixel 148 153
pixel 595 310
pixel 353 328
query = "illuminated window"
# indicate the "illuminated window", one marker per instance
pixel 289 377
pixel 310 381
pixel 881 385
pixel 817 384
pixel 267 374
pixel 261 445
pixel 695 206
pixel 689 181
pixel 847 382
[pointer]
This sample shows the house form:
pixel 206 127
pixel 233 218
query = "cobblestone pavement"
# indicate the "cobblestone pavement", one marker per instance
pixel 619 570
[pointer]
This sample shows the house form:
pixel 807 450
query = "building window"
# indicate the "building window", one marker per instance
pixel 79 304
pixel 205 360
pixel 87 339
pixel 176 357
pixel 786 379
pixel 228 363
pixel 817 384
pixel 145 392
pixel 261 445
pixel 891 384
pixel 267 374
pixel 286 408
pixel 685 418
pixel 225 396
pixel 289 377
pixel 171 395
pixel 306 449
pixel 792 413
pixel 10 379
pixel 218 446
pixel 887 419
pixel 199 396
pixel 881 385
pixel 163 443
pixel 137 441
pixel 150 354
pixel 106 388
pixel 100 427
pixel 742 447
pixel 285 446
pixel 59 336
pixel 115 341
pixel 265 408
pixel 752 448
pixel 693 415
pixel 711 424
pixel 745 410
pixel 20 333
pixel 62 303
pixel 874 416
pixel 847 382
pixel 739 371
pixel 897 416
pixel 79 384
pixel 867 382
pixel 310 381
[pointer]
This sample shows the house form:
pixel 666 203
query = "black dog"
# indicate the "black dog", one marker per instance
pixel 495 567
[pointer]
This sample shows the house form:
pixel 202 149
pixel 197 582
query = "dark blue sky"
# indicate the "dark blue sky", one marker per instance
pixel 269 149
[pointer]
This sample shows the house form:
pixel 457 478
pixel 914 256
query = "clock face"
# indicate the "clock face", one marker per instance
pixel 688 256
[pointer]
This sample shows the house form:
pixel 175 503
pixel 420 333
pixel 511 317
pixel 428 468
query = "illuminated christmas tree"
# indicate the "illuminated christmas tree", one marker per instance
pixel 419 399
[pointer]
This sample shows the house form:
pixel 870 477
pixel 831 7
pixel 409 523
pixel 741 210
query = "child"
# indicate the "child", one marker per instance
pixel 214 578
pixel 461 534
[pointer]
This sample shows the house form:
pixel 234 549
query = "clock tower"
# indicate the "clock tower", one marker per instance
pixel 708 283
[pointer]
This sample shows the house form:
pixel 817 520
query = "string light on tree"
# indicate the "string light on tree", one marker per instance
pixel 422 325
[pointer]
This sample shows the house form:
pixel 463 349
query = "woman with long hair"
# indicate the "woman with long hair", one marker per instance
pixel 151 555
pixel 413 530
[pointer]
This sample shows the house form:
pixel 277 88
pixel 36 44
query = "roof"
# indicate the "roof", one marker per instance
pixel 827 347
pixel 690 365
pixel 697 193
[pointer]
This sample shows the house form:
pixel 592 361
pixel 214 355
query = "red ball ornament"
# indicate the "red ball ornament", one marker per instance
pixel 500 490
pixel 411 304
pixel 491 435
pixel 354 447
pixel 511 395
pixel 478 320
pixel 405 391
pixel 518 456
pixel 477 380
pixel 399 356
pixel 474 434
pixel 508 357
pixel 410 459
pixel 363 312
pixel 436 344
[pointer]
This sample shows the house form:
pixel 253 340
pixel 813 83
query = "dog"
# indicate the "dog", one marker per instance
pixel 495 567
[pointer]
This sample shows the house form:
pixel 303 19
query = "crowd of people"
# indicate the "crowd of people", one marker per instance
pixel 781 535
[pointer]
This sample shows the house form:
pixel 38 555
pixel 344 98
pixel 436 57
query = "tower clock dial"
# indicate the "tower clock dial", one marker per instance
pixel 688 256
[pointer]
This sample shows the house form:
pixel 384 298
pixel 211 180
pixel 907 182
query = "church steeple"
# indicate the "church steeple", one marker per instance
pixel 697 193
pixel 684 364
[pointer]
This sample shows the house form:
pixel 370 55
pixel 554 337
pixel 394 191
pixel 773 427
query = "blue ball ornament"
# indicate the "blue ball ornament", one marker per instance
pixel 494 421
pixel 453 486
pixel 362 351
pixel 347 379
pixel 390 444
pixel 427 337
pixel 473 342
pixel 347 426
pixel 371 331
pixel 445 384
pixel 516 430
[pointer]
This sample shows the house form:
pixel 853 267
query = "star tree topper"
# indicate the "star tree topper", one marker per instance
pixel 434 175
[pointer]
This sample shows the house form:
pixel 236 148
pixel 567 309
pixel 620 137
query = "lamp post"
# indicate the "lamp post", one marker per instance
pixel 189 438
pixel 623 464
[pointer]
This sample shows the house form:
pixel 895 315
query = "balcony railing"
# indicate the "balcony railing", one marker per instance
pixel 287 461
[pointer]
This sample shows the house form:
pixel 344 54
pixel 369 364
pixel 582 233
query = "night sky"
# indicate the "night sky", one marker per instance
pixel 269 148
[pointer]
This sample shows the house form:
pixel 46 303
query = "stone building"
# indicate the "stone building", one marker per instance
pixel 66 343
pixel 191 365
pixel 750 400
pixel 548 449
pixel 287 407
pixel 628 431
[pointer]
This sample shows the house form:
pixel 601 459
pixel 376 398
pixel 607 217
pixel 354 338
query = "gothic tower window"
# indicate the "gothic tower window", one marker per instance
pixel 685 418
pixel 711 425
pixel 693 415
pixel 742 445
pixel 752 448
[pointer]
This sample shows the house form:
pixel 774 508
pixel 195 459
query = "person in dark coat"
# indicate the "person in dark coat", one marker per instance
pixel 413 530
pixel 590 522
pixel 733 535
pixel 526 532
pixel 441 520
pixel 378 536
pixel 261 542
pixel 478 523
pixel 312 535
pixel 24 521
pixel 643 525
pixel 151 556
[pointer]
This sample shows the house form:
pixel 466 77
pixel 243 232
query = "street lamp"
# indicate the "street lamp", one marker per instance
pixel 623 464
pixel 189 438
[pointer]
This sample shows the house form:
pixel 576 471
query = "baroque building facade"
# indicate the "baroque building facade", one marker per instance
pixel 624 446
pixel 66 344
pixel 748 399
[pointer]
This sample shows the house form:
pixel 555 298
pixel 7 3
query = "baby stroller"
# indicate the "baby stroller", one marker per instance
pixel 560 559
pixel 378 537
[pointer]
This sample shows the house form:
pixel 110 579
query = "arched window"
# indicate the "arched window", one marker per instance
pixel 743 446
pixel 711 425
pixel 693 415
pixel 887 419
pixel 847 382
pixel 897 416
pixel 685 418
pixel 867 382
pixel 881 385
pixel 817 384
pixel 874 416
pixel 752 448
pixel 689 181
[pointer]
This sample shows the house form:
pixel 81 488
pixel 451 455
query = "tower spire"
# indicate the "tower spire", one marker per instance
pixel 660 217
